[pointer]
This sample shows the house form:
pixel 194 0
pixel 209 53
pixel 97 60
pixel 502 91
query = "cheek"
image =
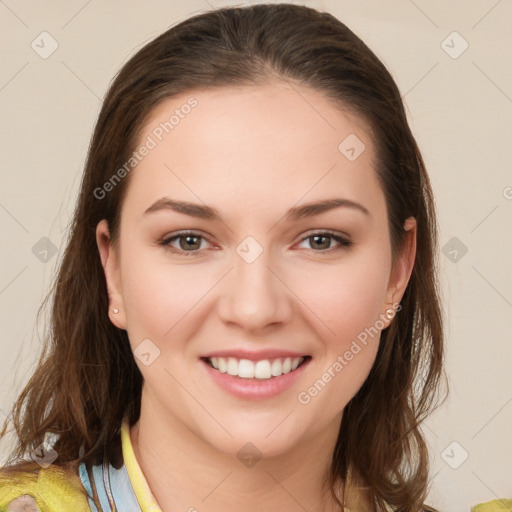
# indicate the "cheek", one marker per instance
pixel 158 295
pixel 341 300
pixel 345 299
pixel 347 306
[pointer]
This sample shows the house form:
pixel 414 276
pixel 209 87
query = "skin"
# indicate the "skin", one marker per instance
pixel 252 153
pixel 24 503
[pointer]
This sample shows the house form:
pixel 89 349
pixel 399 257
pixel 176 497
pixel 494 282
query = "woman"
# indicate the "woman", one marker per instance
pixel 247 313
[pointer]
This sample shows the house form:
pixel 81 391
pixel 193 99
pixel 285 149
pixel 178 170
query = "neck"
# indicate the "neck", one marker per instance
pixel 186 473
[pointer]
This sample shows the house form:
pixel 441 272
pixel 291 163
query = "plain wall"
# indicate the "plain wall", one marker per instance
pixel 460 110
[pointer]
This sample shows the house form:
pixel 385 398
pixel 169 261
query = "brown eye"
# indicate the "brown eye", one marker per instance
pixel 189 243
pixel 321 242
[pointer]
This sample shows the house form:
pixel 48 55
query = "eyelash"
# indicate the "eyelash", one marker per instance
pixel 165 243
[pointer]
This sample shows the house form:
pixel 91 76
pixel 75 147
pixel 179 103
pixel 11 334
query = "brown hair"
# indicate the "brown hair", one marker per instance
pixel 87 380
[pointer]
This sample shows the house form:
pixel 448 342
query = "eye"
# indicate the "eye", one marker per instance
pixel 322 240
pixel 189 243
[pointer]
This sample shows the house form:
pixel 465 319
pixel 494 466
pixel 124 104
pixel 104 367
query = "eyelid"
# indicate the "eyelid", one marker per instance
pixel 344 241
pixel 321 231
pixel 166 240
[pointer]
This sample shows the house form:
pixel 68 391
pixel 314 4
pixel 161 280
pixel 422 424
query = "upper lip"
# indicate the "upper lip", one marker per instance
pixel 254 355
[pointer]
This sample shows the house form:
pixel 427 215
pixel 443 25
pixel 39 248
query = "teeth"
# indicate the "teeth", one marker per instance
pixel 222 365
pixel 232 367
pixel 264 369
pixel 295 363
pixel 277 368
pixel 246 369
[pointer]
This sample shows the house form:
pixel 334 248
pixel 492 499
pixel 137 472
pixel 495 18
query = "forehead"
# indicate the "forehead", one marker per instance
pixel 278 141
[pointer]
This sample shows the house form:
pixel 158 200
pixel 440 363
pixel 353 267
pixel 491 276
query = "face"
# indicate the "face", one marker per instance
pixel 250 276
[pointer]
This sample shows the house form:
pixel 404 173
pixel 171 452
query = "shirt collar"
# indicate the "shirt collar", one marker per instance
pixel 120 489
pixel 128 489
pixel 139 484
pixel 356 497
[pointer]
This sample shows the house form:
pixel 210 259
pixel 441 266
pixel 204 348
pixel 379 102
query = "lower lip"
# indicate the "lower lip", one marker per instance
pixel 255 388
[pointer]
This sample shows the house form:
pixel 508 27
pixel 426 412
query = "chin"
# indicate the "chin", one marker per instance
pixel 261 440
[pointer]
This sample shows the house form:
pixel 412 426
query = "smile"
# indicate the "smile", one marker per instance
pixel 263 369
pixel 254 379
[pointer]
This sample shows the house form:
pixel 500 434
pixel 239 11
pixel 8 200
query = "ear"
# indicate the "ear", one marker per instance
pixel 110 263
pixel 401 270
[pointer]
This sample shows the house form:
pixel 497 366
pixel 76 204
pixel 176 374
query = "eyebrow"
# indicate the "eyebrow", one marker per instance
pixel 294 213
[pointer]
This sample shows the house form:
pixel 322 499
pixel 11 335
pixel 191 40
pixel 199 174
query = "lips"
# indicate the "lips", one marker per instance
pixel 258 387
pixel 254 355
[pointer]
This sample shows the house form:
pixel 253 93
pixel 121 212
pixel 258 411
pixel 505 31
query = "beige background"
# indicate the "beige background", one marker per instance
pixel 459 109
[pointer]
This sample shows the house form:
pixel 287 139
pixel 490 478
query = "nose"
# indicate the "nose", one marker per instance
pixel 254 295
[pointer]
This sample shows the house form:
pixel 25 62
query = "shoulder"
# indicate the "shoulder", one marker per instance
pixel 503 505
pixel 54 489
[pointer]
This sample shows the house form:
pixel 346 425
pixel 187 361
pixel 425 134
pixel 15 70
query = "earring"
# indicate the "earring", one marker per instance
pixel 115 311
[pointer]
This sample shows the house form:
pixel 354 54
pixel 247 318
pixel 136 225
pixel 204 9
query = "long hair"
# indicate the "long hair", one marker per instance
pixel 87 381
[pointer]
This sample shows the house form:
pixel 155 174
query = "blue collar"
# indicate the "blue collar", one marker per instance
pixel 115 491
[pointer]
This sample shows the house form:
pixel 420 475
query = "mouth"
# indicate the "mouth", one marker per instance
pixel 261 370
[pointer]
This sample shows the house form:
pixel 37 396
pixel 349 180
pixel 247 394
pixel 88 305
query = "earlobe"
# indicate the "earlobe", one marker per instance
pixel 110 264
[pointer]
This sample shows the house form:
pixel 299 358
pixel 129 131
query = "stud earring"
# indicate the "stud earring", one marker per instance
pixel 115 311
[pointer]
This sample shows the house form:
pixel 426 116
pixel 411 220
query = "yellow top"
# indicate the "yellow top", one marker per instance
pixel 503 505
pixel 54 489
